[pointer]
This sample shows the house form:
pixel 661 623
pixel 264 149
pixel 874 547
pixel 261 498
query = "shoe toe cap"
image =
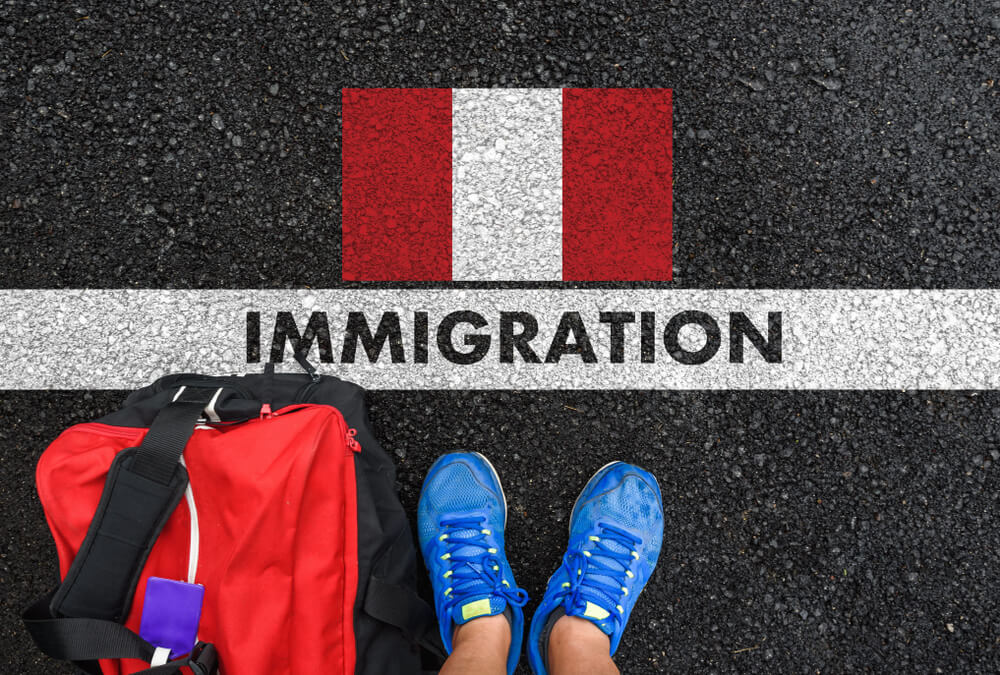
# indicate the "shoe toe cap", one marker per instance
pixel 628 498
pixel 456 487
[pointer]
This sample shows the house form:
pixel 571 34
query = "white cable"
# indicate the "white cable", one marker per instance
pixel 195 536
pixel 189 497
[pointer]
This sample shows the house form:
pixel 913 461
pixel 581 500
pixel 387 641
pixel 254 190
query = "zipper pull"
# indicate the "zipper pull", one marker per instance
pixel 265 411
pixel 306 366
pixel 352 443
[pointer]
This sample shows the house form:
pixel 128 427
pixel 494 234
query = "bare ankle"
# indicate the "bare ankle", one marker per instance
pixel 577 646
pixel 480 646
pixel 575 629
pixel 492 630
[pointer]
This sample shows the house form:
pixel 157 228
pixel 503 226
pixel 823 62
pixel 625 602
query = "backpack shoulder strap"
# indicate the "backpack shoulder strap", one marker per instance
pixel 81 621
pixel 143 487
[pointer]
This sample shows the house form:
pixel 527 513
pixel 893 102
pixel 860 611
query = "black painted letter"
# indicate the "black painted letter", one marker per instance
pixel 740 326
pixel 420 337
pixel 480 343
pixel 388 329
pixel 648 337
pixel 571 323
pixel 253 337
pixel 673 345
pixel 509 339
pixel 286 328
pixel 618 321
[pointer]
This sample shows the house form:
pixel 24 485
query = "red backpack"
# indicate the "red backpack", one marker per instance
pixel 239 525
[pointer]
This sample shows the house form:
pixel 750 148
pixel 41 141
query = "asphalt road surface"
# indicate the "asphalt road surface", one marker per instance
pixel 816 145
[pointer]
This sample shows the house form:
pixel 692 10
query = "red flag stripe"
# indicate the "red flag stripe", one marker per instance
pixel 617 203
pixel 396 204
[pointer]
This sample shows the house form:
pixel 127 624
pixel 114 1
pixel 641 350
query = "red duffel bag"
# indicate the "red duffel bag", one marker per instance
pixel 237 525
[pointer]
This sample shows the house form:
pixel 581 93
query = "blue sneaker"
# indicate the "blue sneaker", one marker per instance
pixel 461 516
pixel 615 533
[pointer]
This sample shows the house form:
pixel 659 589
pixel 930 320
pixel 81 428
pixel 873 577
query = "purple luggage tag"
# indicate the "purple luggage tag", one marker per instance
pixel 170 614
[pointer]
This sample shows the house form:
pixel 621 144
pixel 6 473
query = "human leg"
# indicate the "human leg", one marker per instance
pixel 479 647
pixel 578 647
pixel 616 530
pixel 462 515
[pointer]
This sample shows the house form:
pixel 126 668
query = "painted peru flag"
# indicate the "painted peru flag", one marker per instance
pixel 507 184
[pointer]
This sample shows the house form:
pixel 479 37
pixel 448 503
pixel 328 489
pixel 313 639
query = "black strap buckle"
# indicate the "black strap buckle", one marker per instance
pixel 204 659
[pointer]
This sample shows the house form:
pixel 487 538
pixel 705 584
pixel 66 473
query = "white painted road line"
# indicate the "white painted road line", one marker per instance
pixel 830 339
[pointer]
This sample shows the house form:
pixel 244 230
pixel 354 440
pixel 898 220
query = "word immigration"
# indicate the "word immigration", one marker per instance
pixel 464 337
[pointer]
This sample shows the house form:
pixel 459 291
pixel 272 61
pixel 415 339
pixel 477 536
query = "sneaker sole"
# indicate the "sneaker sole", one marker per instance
pixel 503 495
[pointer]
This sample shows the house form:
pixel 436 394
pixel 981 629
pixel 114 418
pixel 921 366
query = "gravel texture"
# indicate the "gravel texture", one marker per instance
pixel 817 145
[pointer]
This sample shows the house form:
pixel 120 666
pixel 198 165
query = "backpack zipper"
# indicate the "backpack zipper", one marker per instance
pixel 352 442
pixel 266 413
pixel 349 432
pixel 302 395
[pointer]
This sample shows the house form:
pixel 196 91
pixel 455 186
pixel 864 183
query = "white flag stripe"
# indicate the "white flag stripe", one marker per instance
pixel 507 184
pixel 122 339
